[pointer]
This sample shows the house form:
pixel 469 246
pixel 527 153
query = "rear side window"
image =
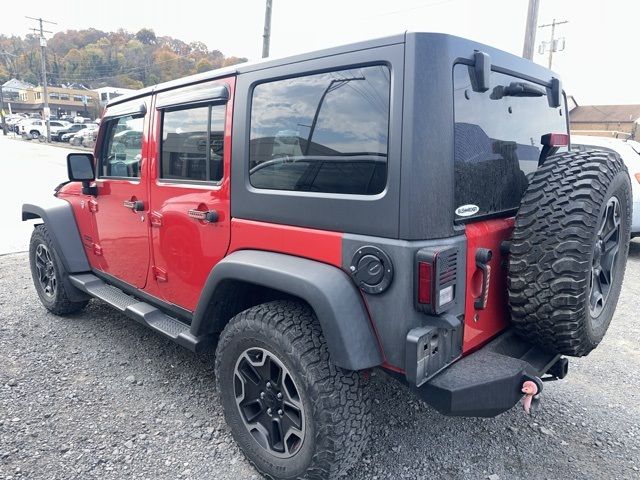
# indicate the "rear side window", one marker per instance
pixel 322 133
pixel 497 141
pixel 123 147
pixel 193 144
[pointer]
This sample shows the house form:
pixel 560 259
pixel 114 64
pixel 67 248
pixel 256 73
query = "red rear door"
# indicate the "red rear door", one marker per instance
pixel 189 187
pixel 482 324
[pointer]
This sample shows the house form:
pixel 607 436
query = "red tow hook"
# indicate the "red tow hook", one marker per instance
pixel 531 389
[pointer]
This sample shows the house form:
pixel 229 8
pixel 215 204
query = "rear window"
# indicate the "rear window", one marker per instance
pixel 326 132
pixel 497 141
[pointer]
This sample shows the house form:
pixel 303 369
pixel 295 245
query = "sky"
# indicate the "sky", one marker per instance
pixel 597 65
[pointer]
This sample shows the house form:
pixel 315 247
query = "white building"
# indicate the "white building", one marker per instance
pixel 107 93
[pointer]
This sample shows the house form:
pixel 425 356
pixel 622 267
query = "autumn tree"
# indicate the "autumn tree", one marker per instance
pixel 94 58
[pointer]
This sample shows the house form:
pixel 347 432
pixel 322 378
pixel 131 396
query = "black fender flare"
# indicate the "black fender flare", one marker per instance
pixel 334 298
pixel 61 224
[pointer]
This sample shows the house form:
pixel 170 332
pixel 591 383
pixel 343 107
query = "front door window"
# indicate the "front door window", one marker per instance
pixel 123 152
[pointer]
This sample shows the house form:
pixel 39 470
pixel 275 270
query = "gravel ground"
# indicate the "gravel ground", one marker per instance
pixel 96 395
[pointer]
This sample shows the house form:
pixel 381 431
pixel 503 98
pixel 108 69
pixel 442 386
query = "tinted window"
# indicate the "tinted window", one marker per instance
pixel 192 144
pixel 322 133
pixel 123 148
pixel 497 141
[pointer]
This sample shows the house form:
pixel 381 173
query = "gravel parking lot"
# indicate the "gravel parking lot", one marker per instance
pixel 96 395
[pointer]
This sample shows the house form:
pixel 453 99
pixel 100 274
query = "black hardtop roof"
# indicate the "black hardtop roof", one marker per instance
pixel 531 68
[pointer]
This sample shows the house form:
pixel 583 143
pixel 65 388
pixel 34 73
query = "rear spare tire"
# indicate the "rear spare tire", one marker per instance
pixel 569 251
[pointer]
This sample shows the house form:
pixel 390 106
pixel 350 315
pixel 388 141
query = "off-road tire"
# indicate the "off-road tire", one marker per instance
pixel 336 404
pixel 553 250
pixel 58 303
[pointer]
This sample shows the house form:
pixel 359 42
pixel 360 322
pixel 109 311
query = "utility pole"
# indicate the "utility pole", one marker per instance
pixel 266 37
pixel 530 32
pixel 553 44
pixel 43 46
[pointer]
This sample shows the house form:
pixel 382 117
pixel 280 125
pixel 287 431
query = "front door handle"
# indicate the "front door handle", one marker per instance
pixel 135 205
pixel 208 216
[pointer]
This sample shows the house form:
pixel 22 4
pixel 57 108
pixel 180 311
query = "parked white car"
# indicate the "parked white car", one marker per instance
pixel 35 127
pixel 66 134
pixel 629 151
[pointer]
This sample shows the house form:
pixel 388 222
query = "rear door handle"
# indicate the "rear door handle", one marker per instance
pixel 208 216
pixel 135 205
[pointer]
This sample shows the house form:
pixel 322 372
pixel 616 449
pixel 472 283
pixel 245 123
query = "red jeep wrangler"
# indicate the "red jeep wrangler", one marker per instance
pixel 406 203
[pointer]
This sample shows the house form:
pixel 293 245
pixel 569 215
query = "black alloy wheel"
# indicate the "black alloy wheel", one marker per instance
pixel 46 271
pixel 605 252
pixel 269 402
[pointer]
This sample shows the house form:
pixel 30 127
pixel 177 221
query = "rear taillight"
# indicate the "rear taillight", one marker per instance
pixel 637 175
pixel 555 140
pixel 424 282
pixel 437 271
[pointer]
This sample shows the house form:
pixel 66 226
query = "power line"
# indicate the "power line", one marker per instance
pixel 417 7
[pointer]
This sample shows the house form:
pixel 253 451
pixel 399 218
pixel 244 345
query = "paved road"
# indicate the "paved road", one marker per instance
pixel 30 170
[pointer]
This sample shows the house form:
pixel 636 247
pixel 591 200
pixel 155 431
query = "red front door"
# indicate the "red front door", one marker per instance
pixel 122 231
pixel 189 168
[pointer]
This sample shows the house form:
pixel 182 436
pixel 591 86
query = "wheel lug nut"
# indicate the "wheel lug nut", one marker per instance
pixel 280 412
pixel 279 396
pixel 268 411
pixel 268 384
pixel 261 394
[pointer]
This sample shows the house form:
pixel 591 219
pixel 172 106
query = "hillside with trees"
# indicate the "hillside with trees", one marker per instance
pixel 95 58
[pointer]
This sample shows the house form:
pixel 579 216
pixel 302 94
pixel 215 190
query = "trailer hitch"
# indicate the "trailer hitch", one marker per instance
pixel 532 388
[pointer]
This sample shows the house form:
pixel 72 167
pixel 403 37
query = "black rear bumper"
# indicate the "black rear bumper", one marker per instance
pixel 487 382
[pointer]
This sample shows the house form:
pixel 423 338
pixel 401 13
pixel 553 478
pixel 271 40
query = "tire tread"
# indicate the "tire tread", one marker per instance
pixel 341 406
pixel 551 248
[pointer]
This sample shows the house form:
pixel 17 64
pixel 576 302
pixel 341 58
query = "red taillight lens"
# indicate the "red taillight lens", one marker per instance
pixel 555 140
pixel 424 282
pixel 637 175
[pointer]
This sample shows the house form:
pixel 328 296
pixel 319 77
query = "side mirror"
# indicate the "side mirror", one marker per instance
pixel 80 167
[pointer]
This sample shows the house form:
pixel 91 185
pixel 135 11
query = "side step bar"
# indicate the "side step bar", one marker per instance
pixel 140 311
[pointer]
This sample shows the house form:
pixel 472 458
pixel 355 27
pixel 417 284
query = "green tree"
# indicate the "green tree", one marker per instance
pixel 204 65
pixel 146 36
